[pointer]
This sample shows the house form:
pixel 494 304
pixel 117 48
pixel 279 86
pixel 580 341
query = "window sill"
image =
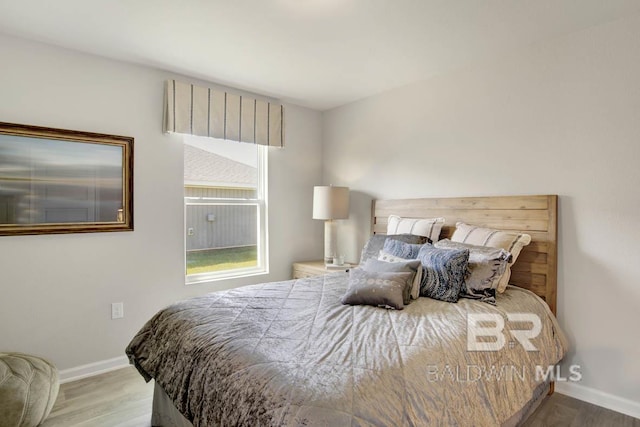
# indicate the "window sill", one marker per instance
pixel 196 279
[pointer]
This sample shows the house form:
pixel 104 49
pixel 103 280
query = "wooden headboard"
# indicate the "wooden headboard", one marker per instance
pixel 536 267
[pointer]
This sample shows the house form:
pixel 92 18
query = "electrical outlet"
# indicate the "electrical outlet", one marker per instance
pixel 117 310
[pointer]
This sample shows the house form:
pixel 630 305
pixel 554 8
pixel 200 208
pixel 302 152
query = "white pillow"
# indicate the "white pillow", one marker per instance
pixel 415 289
pixel 511 242
pixel 426 227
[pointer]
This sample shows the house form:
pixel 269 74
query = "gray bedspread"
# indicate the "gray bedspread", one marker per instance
pixel 289 353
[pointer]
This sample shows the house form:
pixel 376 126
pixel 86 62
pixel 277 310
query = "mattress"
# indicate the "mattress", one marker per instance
pixel 289 353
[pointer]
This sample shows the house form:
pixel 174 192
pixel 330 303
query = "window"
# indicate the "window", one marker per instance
pixel 225 209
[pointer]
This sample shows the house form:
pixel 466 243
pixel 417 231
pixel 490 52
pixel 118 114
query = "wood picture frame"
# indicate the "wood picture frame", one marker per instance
pixel 64 181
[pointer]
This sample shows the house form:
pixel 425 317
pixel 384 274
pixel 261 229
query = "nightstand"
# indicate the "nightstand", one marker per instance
pixel 314 268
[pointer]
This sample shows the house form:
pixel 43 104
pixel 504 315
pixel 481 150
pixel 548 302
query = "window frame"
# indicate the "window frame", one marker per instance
pixel 262 244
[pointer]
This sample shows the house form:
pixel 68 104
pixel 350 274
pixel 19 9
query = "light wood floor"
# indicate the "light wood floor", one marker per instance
pixel 122 399
pixel 119 398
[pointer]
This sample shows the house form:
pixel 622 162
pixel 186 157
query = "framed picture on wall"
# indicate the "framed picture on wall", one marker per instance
pixel 64 181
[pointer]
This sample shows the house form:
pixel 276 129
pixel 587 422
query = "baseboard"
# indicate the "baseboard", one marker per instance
pixel 91 369
pixel 599 398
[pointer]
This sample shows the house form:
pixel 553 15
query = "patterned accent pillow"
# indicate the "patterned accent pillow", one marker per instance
pixel 410 266
pixel 402 249
pixel 373 247
pixel 427 227
pixel 376 289
pixel 486 267
pixel 415 289
pixel 444 272
pixel 509 241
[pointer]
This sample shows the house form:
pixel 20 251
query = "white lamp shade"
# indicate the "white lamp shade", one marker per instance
pixel 330 202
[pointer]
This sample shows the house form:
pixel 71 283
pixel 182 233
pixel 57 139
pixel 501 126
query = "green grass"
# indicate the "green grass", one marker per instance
pixel 210 260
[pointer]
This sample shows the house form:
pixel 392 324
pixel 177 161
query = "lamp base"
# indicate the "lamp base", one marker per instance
pixel 329 241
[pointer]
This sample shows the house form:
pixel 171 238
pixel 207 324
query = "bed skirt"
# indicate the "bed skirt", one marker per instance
pixel 166 415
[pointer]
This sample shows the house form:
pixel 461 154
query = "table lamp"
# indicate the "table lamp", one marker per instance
pixel 330 203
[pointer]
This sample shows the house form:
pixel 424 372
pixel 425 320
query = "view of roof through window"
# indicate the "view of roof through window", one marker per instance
pixel 219 163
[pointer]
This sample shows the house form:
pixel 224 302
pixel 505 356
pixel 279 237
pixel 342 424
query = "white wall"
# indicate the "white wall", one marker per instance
pixel 561 117
pixel 56 290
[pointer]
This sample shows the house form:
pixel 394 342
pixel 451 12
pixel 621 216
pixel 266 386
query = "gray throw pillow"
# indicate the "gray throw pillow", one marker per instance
pixel 486 267
pixel 415 289
pixel 376 289
pixel 444 271
pixel 376 242
pixel 401 249
pixel 410 266
pixel 486 264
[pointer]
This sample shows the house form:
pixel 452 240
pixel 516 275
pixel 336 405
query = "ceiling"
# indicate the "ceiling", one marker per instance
pixel 316 53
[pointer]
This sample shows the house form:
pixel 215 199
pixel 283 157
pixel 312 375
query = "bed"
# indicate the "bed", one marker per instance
pixel 289 353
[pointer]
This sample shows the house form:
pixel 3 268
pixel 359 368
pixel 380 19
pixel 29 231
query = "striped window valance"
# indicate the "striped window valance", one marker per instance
pixel 203 111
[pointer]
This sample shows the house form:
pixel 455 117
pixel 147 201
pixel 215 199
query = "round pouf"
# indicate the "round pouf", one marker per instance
pixel 28 389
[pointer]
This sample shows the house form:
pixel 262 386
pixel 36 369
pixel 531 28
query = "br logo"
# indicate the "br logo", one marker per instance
pixel 491 326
